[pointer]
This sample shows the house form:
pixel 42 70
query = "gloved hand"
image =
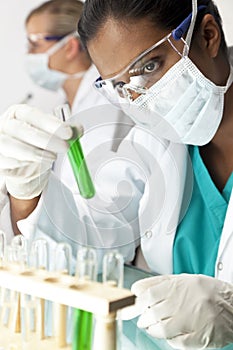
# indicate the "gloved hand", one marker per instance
pixel 29 143
pixel 190 311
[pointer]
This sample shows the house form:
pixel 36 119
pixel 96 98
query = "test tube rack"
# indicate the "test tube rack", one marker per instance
pixel 101 299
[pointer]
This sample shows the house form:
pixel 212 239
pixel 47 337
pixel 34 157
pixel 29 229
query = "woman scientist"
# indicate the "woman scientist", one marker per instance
pixel 175 93
pixel 176 72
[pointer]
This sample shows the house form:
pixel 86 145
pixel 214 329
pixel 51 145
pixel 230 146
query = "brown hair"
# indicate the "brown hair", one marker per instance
pixel 65 13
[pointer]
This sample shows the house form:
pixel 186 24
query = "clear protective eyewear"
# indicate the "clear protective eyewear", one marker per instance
pixel 34 38
pixel 144 71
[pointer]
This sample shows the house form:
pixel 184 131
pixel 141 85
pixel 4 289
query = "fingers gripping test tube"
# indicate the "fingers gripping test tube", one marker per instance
pixel 76 157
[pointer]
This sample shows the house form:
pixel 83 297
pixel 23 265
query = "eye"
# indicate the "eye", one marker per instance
pixel 150 67
pixel 119 85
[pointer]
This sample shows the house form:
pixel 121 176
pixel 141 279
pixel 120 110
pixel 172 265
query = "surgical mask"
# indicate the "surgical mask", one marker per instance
pixel 37 67
pixel 181 106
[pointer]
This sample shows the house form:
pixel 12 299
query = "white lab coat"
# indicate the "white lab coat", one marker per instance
pixel 157 174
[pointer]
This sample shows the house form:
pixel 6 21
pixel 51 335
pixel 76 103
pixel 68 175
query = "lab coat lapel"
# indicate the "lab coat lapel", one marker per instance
pixel 223 267
pixel 168 203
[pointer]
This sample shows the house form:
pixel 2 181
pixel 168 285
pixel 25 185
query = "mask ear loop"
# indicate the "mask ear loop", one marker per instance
pixel 230 78
pixel 59 44
pixel 188 22
pixel 191 28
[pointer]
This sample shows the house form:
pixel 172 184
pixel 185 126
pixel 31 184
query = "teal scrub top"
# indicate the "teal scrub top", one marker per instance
pixel 198 234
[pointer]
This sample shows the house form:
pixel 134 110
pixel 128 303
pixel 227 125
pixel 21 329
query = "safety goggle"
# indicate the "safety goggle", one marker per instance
pixel 40 36
pixel 144 71
pixel 34 38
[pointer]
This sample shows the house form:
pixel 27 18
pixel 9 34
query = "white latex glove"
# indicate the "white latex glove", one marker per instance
pixel 190 311
pixel 29 143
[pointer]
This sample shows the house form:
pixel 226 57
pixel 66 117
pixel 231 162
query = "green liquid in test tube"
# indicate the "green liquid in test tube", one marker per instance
pixel 82 330
pixel 83 320
pixel 76 158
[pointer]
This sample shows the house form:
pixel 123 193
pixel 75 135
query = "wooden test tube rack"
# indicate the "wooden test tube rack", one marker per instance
pixel 100 299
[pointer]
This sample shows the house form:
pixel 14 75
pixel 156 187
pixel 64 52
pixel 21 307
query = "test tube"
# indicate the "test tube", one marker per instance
pixel 106 328
pixel 39 260
pixel 113 268
pixel 63 256
pixel 32 308
pixel 19 255
pixel 2 248
pixel 20 246
pixel 86 267
pixel 2 263
pixel 62 266
pixel 76 157
pixel 39 254
pixel 10 299
pixel 86 270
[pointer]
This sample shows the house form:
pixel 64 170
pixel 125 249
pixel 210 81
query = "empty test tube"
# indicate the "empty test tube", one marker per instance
pixel 86 269
pixel 63 257
pixel 20 246
pixel 10 300
pixel 19 255
pixel 106 328
pixel 39 260
pixel 2 248
pixel 39 254
pixel 33 308
pixel 86 265
pixel 76 157
pixel 2 263
pixel 113 268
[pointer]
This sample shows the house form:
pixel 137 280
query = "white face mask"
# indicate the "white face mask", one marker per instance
pixel 183 106
pixel 37 67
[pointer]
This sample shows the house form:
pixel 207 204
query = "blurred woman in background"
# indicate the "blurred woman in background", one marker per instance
pixel 56 60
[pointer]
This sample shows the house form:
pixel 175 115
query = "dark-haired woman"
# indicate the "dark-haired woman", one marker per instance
pixel 167 65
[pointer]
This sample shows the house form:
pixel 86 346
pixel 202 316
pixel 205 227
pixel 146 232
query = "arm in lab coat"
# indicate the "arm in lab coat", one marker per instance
pixel 21 209
pixel 109 220
pixel 5 220
pixel 12 210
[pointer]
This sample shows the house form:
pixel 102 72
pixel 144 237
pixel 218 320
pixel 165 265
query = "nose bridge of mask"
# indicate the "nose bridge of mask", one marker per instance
pixel 58 45
pixel 137 81
pixel 135 85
